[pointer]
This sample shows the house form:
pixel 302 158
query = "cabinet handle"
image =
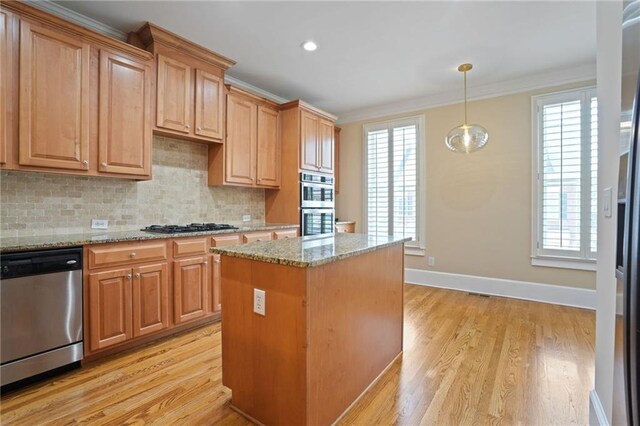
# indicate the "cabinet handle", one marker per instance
pixel 133 254
pixel 137 274
pixel 187 126
pixel 216 261
pixel 103 164
pixel 205 262
pixel 85 163
pixel 199 129
pixel 128 276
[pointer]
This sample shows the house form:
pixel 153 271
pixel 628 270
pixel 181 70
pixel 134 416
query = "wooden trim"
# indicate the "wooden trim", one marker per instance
pixel 262 101
pixel 29 12
pixel 150 33
pixel 305 106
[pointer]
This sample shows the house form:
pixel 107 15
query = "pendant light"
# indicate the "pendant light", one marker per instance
pixel 466 138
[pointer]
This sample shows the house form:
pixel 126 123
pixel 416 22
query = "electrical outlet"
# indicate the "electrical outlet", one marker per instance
pixel 99 224
pixel 259 301
pixel 607 199
pixel 246 218
pixel 431 261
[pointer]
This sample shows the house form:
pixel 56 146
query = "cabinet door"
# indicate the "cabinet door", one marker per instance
pixel 209 105
pixel 54 99
pixel 240 145
pixel 325 135
pixel 110 320
pixel 216 284
pixel 190 288
pixel 150 299
pixel 269 152
pixel 6 85
pixel 309 142
pixel 173 110
pixel 124 141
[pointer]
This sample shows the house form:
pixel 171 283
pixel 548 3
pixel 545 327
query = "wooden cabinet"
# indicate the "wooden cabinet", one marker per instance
pixel 256 237
pixel 336 159
pixel 54 99
pixel 309 141
pixel 216 284
pixel 190 288
pixel 284 234
pixel 241 148
pixel 209 100
pixel 150 299
pixel 325 146
pixel 268 151
pixel 124 140
pixel 190 91
pixel 252 150
pixel 349 227
pixel 173 98
pixel 8 86
pixel 110 308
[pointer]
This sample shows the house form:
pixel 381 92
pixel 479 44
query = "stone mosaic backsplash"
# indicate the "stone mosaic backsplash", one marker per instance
pixel 38 203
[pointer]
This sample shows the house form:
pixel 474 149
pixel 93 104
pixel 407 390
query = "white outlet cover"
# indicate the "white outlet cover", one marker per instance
pixel 259 301
pixel 431 261
pixel 99 224
pixel 246 218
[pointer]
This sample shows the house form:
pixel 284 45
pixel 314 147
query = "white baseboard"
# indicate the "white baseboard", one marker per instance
pixel 597 417
pixel 538 292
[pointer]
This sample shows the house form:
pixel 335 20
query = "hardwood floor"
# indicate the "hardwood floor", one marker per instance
pixel 467 360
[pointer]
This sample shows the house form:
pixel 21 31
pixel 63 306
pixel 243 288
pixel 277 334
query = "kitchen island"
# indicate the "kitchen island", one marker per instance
pixel 332 323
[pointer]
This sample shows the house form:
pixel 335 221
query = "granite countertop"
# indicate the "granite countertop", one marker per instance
pixel 305 252
pixel 41 242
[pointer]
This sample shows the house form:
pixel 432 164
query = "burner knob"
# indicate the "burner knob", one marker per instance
pixel 133 254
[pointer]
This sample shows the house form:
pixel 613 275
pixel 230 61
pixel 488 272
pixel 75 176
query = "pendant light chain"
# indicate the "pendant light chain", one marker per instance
pixel 465 98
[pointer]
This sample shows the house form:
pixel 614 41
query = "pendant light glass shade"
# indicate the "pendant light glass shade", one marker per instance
pixel 466 138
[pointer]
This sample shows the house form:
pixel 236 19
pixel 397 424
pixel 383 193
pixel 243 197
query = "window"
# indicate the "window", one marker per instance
pixel 392 199
pixel 565 167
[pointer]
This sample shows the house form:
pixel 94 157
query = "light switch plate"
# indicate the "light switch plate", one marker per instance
pixel 246 218
pixel 259 301
pixel 606 201
pixel 99 224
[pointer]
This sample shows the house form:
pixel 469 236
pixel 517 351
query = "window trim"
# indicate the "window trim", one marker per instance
pixel 412 248
pixel 556 258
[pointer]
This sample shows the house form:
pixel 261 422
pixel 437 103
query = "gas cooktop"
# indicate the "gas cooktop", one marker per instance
pixel 193 227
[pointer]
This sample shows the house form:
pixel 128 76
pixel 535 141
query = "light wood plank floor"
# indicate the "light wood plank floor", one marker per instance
pixel 467 360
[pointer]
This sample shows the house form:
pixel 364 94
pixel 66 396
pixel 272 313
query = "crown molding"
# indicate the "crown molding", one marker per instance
pixel 508 87
pixel 253 89
pixel 78 18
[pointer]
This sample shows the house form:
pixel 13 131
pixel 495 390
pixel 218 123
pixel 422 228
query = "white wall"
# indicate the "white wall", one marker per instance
pixel 609 42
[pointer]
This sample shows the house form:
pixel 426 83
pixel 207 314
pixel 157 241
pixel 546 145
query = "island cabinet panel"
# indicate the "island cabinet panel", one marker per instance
pixel 309 148
pixel 110 306
pixel 265 357
pixel 209 98
pixel 124 141
pixel 150 299
pixel 240 146
pixel 54 99
pixel 268 153
pixel 173 109
pixel 190 289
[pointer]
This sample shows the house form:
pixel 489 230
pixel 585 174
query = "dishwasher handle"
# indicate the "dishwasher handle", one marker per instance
pixel 15 265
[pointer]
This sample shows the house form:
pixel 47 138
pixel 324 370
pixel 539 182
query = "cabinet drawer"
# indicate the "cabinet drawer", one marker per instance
pixel 257 236
pixel 225 240
pixel 284 234
pixel 346 227
pixel 110 255
pixel 189 247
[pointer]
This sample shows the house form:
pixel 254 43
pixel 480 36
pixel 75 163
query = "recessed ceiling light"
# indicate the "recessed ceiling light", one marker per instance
pixel 309 46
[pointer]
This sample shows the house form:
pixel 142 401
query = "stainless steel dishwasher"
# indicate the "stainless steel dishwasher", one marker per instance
pixel 41 312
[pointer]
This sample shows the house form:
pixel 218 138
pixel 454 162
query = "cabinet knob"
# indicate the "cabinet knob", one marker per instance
pixel 205 262
pixel 85 163
pixel 216 261
pixel 128 276
pixel 133 254
pixel 103 164
pixel 137 274
pixel 187 126
pixel 199 129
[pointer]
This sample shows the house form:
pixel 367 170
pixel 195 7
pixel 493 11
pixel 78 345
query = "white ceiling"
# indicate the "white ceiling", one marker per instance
pixel 375 53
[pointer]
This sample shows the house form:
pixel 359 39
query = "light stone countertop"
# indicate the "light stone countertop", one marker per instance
pixel 51 241
pixel 310 251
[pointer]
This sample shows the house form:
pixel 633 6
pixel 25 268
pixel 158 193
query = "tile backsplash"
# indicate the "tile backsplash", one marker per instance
pixel 39 203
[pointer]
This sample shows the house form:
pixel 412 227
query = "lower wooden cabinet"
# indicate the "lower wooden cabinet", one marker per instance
pixel 216 284
pixel 110 320
pixel 150 299
pixel 190 288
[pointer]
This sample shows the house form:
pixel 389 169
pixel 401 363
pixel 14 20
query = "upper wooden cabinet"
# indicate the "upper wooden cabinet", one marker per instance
pixel 72 100
pixel 251 152
pixel 316 143
pixel 325 146
pixel 190 85
pixel 336 158
pixel 124 140
pixel 54 99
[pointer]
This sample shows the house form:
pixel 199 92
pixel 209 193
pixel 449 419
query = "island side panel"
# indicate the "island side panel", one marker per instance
pixel 263 357
pixel 355 316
